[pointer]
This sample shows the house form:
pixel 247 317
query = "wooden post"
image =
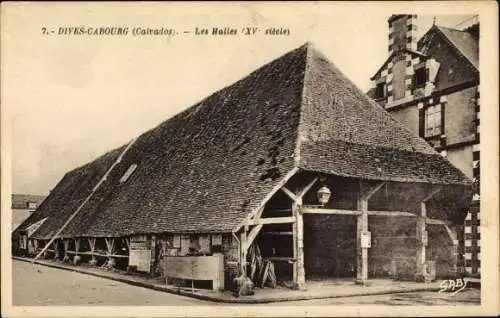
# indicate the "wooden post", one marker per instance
pixel 295 245
pixel 92 241
pixel 77 246
pixel 55 244
pixel 421 230
pixel 362 247
pixel 243 251
pixel 422 233
pixel 66 246
pixel 110 244
pixel 298 268
pixel 362 251
pixel 452 233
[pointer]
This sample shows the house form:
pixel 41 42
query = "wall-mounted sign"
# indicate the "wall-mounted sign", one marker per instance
pixel 425 238
pixel 366 239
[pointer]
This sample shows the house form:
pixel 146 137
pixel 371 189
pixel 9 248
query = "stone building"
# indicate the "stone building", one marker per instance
pixel 280 168
pixel 432 86
pixel 22 206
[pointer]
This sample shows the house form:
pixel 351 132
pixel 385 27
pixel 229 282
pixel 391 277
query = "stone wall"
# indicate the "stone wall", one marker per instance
pixel 393 240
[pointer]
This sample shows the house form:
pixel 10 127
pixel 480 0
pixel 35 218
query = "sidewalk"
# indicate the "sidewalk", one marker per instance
pixel 315 289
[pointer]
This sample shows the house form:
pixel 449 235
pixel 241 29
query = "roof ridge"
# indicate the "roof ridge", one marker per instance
pixel 453 29
pixel 309 47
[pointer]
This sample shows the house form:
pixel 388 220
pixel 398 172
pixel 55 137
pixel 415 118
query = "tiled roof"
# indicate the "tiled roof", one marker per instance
pixel 207 168
pixel 20 201
pixel 465 43
pixel 378 163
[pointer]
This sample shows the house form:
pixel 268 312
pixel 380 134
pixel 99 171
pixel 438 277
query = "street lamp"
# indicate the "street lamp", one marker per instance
pixel 324 195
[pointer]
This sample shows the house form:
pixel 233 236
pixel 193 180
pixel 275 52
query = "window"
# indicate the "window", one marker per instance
pixel 380 90
pixel 420 77
pixel 128 173
pixel 433 121
pixel 31 205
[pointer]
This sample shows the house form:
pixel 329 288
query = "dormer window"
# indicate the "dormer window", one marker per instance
pixel 380 90
pixel 420 77
pixel 128 173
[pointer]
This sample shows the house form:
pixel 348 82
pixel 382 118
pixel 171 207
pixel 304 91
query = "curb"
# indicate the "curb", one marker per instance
pixel 180 292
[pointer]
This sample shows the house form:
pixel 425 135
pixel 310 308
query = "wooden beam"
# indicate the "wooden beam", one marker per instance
pixel 278 233
pixel 243 253
pixel 66 246
pixel 362 251
pixel 259 213
pixel 307 188
pixel 299 277
pixel 92 243
pixel 452 234
pixel 280 210
pixel 252 235
pixel 278 220
pixel 262 204
pixel 290 194
pixel 392 213
pixel 370 192
pixel 77 245
pixel 421 231
pixel 431 194
pixel 436 221
pixel 309 210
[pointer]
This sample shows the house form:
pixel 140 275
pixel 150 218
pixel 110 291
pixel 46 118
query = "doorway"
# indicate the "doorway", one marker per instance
pixel 330 246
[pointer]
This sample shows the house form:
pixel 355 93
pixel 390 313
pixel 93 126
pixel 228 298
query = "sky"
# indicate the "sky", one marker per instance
pixel 70 99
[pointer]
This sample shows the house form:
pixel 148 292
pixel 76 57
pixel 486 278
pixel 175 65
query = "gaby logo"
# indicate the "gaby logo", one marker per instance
pixel 453 285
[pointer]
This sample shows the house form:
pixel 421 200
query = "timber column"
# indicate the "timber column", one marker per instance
pixel 422 237
pixel 363 242
pixel 298 248
pixel 362 247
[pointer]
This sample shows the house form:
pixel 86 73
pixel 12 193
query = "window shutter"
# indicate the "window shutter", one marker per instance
pixel 421 122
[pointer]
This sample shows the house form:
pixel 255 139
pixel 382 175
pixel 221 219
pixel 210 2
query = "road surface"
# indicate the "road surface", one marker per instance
pixel 38 285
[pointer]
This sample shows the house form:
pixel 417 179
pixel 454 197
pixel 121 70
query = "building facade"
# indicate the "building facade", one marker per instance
pixel 22 206
pixel 277 177
pixel 431 85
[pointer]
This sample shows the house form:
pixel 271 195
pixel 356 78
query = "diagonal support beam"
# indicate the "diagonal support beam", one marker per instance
pixel 307 188
pixel 366 195
pixel 431 194
pixel 451 234
pixel 252 235
pixel 290 194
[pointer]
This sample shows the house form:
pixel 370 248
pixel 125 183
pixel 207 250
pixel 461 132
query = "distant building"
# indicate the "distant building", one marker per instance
pixel 22 206
pixel 432 86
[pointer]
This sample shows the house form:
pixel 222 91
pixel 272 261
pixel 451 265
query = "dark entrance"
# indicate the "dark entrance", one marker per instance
pixel 60 249
pixel 330 246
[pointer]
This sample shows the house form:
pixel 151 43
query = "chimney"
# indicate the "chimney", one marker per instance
pixel 402 33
